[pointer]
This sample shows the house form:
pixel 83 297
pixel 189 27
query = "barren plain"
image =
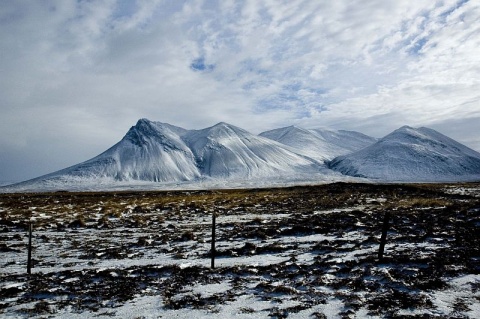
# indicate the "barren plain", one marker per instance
pixel 297 252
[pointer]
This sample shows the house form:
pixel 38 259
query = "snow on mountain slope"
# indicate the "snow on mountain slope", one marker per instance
pixel 225 150
pixel 410 154
pixel 350 141
pixel 150 151
pixel 153 155
pixel 153 152
pixel 320 144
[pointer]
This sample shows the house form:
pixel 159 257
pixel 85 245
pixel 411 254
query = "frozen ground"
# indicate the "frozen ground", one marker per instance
pixel 300 252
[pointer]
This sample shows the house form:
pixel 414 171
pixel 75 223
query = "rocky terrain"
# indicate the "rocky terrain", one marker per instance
pixel 299 252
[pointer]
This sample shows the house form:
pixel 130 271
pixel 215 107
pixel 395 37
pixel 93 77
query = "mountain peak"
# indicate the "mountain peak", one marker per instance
pixel 143 124
pixel 223 125
pixel 223 129
pixel 295 128
pixel 278 133
pixel 411 154
pixel 143 130
pixel 143 121
pixel 406 127
pixel 160 152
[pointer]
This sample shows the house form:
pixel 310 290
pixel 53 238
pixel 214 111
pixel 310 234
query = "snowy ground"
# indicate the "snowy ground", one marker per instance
pixel 300 252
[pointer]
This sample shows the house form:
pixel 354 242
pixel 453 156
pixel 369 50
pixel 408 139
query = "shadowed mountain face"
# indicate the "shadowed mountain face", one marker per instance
pixel 157 152
pixel 410 154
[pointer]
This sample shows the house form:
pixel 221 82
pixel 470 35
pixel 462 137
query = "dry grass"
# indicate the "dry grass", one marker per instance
pixel 258 223
pixel 419 202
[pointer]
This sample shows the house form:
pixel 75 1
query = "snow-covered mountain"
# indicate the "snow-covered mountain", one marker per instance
pixel 155 152
pixel 150 151
pixel 320 144
pixel 156 155
pixel 410 154
pixel 224 150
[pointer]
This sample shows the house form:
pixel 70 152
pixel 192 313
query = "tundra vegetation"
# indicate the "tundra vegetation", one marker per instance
pixel 299 252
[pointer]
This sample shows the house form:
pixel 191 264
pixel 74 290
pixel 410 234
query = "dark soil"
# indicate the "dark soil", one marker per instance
pixel 433 236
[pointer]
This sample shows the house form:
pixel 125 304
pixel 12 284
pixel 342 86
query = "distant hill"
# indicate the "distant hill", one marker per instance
pixel 410 154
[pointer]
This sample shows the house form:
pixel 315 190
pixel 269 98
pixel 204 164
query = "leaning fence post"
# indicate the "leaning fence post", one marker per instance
pixel 383 239
pixel 29 259
pixel 212 251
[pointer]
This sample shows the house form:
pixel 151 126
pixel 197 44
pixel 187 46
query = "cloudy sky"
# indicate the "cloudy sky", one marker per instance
pixel 76 75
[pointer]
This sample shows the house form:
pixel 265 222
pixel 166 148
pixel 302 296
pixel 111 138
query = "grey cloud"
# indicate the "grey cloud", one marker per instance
pixel 86 71
pixel 464 130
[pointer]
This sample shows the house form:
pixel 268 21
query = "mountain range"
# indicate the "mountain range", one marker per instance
pixel 156 155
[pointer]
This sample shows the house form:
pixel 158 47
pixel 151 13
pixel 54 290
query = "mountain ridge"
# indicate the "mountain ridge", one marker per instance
pixel 225 150
pixel 154 154
pixel 321 144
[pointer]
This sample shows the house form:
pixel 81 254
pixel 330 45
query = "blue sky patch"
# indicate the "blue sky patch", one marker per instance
pixel 200 65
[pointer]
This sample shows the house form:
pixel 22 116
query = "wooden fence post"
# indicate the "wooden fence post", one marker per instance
pixel 212 251
pixel 29 259
pixel 383 239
